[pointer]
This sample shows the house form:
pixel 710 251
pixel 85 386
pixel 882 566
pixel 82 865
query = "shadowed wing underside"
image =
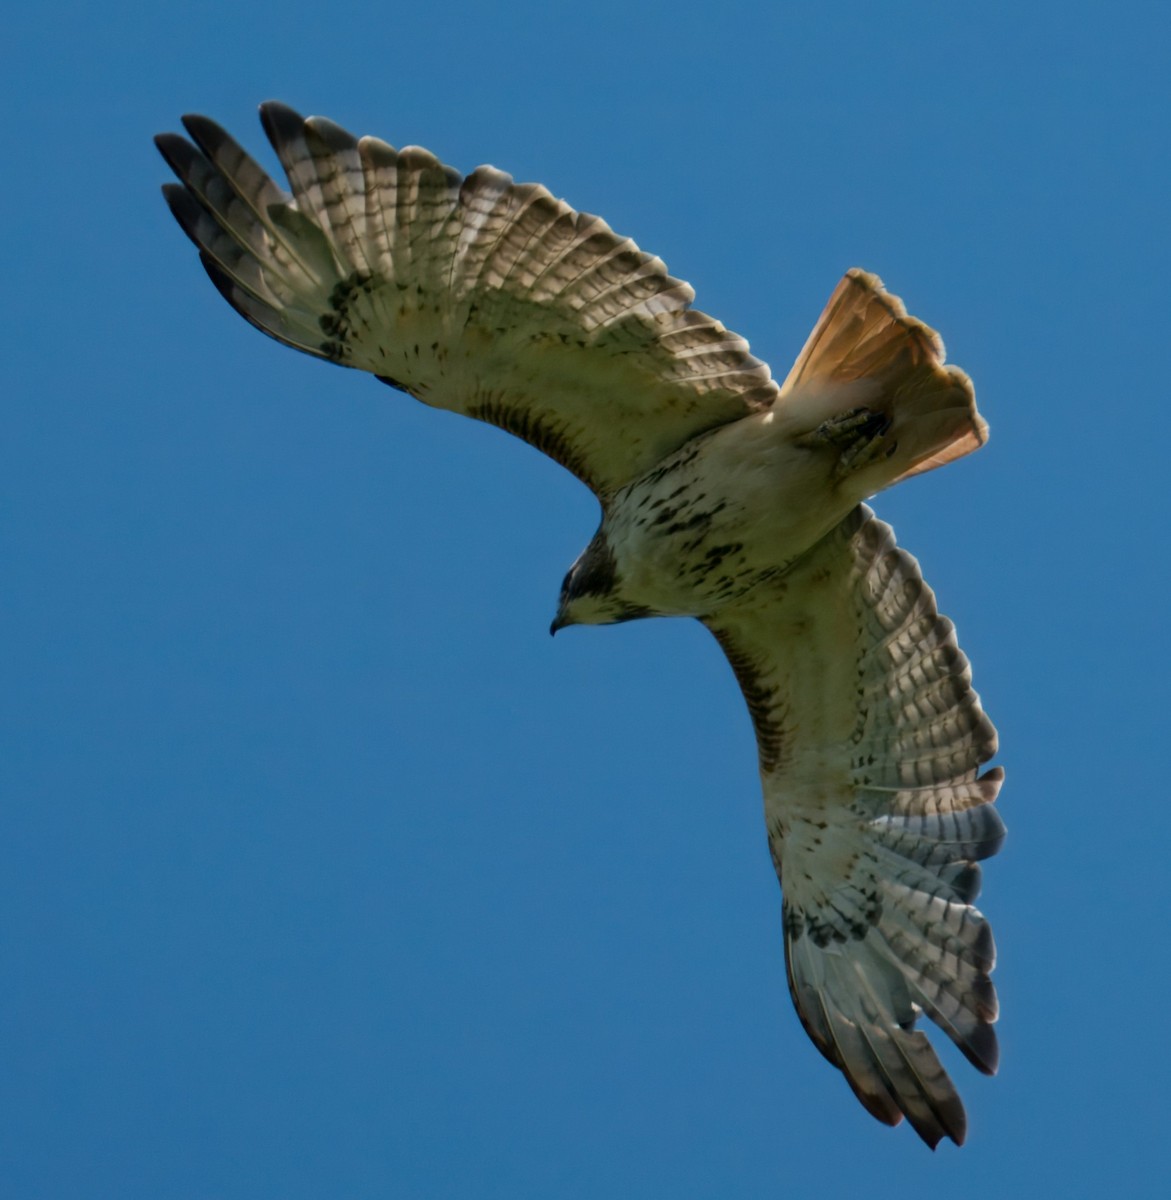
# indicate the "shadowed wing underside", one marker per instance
pixel 476 294
pixel 871 739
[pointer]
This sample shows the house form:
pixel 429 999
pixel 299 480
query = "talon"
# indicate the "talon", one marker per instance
pixel 857 435
pixel 847 429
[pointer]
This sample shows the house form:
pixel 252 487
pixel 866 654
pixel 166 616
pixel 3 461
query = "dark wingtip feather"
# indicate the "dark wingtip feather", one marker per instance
pixel 206 134
pixel 994 832
pixel 992 779
pixel 226 286
pixel 239 299
pixel 177 152
pixel 332 135
pixel 185 209
pixel 982 1049
pixel 280 121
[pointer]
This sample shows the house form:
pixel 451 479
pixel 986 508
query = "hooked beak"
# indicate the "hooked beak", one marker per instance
pixel 561 620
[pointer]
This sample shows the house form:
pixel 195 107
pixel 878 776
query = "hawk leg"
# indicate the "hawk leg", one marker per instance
pixel 857 435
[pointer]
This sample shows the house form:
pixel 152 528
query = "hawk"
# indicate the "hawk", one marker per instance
pixel 724 496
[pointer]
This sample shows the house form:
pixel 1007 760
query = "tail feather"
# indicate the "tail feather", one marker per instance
pixel 866 351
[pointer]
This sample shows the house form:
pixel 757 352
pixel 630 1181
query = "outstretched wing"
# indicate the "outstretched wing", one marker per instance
pixel 478 295
pixel 870 740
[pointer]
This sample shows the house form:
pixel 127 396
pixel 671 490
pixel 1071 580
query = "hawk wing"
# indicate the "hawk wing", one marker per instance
pixel 870 739
pixel 476 294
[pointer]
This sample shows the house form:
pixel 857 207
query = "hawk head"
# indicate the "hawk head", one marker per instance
pixel 591 592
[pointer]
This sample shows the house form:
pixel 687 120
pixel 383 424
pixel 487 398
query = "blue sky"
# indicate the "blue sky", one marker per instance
pixel 324 872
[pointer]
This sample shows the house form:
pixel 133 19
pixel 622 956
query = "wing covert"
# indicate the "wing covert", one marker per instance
pixel 475 294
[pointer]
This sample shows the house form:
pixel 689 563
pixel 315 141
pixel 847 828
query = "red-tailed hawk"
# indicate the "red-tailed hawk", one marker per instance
pixel 725 497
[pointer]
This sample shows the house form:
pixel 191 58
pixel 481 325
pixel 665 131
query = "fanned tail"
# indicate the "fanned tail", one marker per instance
pixel 865 352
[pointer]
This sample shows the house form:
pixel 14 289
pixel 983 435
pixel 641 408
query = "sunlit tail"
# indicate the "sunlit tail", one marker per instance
pixel 866 353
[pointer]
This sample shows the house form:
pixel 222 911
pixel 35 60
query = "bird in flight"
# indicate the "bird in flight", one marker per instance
pixel 725 496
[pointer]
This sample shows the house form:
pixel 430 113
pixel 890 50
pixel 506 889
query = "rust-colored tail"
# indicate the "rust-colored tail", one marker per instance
pixel 865 351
